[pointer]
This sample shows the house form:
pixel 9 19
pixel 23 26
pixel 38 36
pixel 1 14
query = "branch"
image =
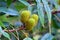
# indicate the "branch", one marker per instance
pixel 55 12
pixel 13 30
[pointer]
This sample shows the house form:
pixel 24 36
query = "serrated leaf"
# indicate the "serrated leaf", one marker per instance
pixel 40 11
pixel 6 35
pixel 27 38
pixel 47 36
pixel 47 9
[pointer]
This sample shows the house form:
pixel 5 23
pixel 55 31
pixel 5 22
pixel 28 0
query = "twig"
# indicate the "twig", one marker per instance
pixel 14 35
pixel 50 27
pixel 57 17
pixel 55 12
pixel 25 33
pixel 13 30
pixel 17 35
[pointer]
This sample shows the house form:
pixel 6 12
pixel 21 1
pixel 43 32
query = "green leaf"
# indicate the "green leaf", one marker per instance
pixel 6 35
pixel 47 9
pixel 2 25
pixel 40 11
pixel 47 36
pixel 19 6
pixel 12 12
pixel 9 2
pixel 3 18
pixel 0 29
pixel 2 0
pixel 3 9
pixel 26 4
pixel 9 11
pixel 30 8
pixel 54 24
pixel 27 38
pixel 54 39
pixel 55 3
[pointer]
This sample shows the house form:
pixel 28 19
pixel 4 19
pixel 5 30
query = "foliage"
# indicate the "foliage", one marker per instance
pixel 43 20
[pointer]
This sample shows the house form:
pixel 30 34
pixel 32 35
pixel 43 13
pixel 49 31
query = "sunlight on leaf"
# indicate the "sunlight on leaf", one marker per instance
pixel 5 34
pixel 3 9
pixel 40 11
pixel 12 12
pixel 47 9
pixel 27 38
pixel 54 2
pixel 47 36
pixel 0 29
pixel 26 4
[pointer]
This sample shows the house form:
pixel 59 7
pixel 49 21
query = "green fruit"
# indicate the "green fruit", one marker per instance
pixel 30 24
pixel 35 16
pixel 25 16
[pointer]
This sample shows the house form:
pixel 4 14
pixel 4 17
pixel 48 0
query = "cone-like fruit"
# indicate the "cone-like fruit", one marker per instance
pixel 25 16
pixel 35 16
pixel 30 24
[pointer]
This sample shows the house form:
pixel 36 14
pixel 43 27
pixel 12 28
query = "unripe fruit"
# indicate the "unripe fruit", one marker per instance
pixel 30 24
pixel 25 15
pixel 35 16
